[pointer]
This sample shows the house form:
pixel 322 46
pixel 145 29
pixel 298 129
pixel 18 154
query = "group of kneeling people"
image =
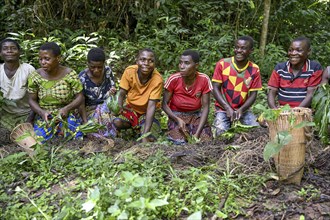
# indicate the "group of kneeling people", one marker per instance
pixel 55 90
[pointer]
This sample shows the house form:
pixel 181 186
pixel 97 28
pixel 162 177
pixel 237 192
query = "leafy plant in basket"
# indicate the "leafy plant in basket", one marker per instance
pixel 283 137
pixel 321 104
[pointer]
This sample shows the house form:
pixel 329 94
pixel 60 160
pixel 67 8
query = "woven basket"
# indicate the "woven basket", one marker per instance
pixel 290 160
pixel 23 135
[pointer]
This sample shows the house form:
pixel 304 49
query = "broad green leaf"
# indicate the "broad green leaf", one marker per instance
pixel 304 124
pixel 119 192
pixel 88 206
pixel 127 175
pixel 270 150
pixel 114 209
pixel 199 199
pixel 221 214
pixel 156 203
pixel 283 137
pixel 138 182
pixel 94 194
pixel 123 215
pixel 139 204
pixel 195 216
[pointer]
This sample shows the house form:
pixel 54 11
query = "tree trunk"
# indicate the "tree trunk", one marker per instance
pixel 264 31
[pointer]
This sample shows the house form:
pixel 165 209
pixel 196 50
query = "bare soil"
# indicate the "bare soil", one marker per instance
pixel 275 200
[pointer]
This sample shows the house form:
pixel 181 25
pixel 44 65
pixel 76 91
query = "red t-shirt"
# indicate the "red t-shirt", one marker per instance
pixel 187 99
pixel 236 85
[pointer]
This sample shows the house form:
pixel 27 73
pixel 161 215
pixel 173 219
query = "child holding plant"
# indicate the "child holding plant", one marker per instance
pixel 98 85
pixel 236 81
pixel 186 101
pixel 54 92
pixel 141 85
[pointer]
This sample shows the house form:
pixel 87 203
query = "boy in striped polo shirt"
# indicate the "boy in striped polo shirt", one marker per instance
pixel 295 80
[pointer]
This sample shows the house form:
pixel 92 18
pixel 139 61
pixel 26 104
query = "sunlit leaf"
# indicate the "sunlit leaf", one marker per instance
pixel 195 216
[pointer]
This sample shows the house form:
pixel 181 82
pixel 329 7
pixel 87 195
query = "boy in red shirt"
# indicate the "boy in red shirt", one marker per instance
pixel 186 101
pixel 236 81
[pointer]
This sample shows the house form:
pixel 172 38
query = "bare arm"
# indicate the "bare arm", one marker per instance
pixel 82 112
pixel 220 99
pixel 121 98
pixel 33 102
pixel 205 113
pixel 325 76
pixel 166 99
pixel 272 93
pixel 77 101
pixel 247 104
pixel 308 99
pixel 149 117
pixel 30 118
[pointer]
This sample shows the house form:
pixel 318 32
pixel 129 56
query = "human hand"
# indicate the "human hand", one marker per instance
pixel 231 114
pixel 182 125
pixel 63 112
pixel 239 114
pixel 112 91
pixel 46 115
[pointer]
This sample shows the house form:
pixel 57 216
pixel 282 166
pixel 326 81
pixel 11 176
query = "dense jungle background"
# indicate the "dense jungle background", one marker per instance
pixel 122 179
pixel 167 26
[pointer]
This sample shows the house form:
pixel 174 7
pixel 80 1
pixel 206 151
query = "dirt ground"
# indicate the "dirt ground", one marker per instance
pixel 275 200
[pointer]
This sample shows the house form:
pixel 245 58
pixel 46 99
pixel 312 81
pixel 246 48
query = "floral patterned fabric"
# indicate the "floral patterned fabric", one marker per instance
pixel 96 94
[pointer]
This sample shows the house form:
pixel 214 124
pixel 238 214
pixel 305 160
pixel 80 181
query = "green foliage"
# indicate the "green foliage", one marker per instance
pixel 236 128
pixel 271 114
pixel 112 103
pixel 321 104
pixel 97 187
pixel 281 138
pixel 273 55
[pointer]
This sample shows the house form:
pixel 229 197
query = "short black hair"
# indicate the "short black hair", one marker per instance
pixel 11 41
pixel 56 50
pixel 193 53
pixel 145 50
pixel 303 38
pixel 247 38
pixel 96 54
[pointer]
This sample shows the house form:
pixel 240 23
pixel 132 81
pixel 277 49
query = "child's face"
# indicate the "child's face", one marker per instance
pixel 146 62
pixel 298 53
pixel 96 68
pixel 187 66
pixel 242 50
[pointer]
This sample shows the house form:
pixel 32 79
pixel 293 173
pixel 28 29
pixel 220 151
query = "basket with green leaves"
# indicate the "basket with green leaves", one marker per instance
pixel 289 131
